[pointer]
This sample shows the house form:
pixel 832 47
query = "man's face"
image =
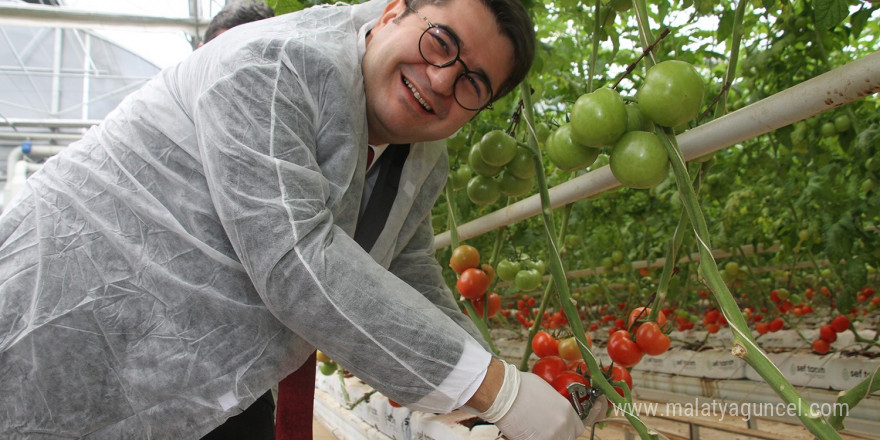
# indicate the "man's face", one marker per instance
pixel 394 70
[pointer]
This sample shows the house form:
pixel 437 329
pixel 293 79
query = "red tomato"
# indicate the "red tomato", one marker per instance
pixel 549 367
pixel 776 324
pixel 623 350
pixel 544 344
pixel 651 339
pixel 494 304
pixel 566 378
pixel 642 317
pixel 711 317
pixel 620 374
pixel 840 323
pixel 394 404
pixel 578 366
pixel 821 346
pixel 762 328
pixel 472 283
pixel 713 328
pixel 464 257
pixel 827 333
pixel 490 271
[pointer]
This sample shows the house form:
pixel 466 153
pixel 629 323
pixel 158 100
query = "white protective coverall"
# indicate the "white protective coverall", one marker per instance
pixel 190 251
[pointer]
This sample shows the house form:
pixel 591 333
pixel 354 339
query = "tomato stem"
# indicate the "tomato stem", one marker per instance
pixel 557 272
pixel 748 347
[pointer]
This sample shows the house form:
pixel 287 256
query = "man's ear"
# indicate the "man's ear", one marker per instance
pixel 393 10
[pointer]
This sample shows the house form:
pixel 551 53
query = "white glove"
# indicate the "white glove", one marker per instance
pixel 528 408
pixel 597 413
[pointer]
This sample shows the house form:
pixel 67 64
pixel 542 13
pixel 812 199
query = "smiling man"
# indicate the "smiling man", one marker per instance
pixel 192 250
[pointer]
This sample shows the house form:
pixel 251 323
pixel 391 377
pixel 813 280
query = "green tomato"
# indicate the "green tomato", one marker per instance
pixel 513 186
pixel 783 294
pixel 639 160
pixel 635 119
pixel 828 129
pixel 461 177
pixel 537 265
pixel 506 269
pixel 598 118
pixel 497 148
pixel 483 190
pixel 523 164
pixel 731 268
pixel 456 142
pixel 842 123
pixel 567 155
pixel 672 93
pixel 542 130
pixel 527 280
pixel 327 368
pixel 479 166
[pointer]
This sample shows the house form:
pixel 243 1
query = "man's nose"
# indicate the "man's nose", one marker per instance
pixel 443 78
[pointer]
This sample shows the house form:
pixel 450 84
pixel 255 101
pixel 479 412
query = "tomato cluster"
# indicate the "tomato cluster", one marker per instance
pixel 627 349
pixel 526 274
pixel 560 363
pixel 501 167
pixel 474 280
pixel 828 333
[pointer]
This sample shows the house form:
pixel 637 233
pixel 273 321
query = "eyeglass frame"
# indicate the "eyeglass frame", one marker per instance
pixel 467 70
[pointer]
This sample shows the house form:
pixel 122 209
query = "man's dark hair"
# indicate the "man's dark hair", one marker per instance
pixel 235 13
pixel 517 26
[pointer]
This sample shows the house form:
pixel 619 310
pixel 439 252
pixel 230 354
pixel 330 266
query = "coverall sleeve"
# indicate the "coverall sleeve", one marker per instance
pixel 417 265
pixel 260 130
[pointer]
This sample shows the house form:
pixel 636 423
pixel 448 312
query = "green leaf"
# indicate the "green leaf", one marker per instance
pixel 858 21
pixel 768 4
pixel 725 26
pixel 830 13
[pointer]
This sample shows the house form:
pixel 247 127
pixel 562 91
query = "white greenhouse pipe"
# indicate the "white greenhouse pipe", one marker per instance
pixel 848 83
pixel 17 14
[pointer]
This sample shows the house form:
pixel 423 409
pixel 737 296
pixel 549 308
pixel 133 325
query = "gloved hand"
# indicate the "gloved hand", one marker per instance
pixel 528 408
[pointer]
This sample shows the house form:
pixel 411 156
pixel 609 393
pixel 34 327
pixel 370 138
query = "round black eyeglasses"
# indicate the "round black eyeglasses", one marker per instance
pixel 440 48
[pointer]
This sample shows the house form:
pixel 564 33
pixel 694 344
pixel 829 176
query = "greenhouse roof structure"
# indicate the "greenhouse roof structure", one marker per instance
pixel 58 76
